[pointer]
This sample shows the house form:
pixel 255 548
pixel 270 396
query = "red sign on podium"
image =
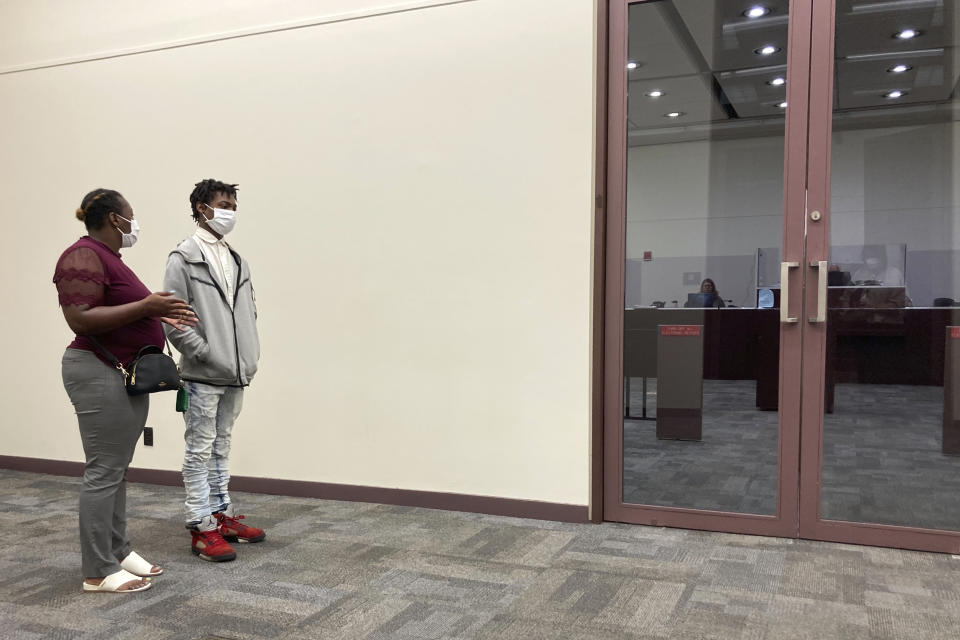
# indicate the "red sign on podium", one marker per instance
pixel 680 330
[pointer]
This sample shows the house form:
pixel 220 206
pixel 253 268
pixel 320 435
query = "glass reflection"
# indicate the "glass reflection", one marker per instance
pixel 894 267
pixel 706 109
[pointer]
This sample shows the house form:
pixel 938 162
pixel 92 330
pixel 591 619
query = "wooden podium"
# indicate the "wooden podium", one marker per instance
pixel 951 394
pixel 680 382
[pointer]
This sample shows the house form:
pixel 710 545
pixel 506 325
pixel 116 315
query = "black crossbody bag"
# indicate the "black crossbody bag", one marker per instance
pixel 150 371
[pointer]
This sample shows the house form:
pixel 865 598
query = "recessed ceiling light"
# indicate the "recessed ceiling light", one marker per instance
pixel 896 93
pixel 673 114
pixel 906 34
pixel 782 105
pixel 756 12
pixel 631 65
pixel 768 50
pixel 656 93
pixel 777 82
pixel 900 68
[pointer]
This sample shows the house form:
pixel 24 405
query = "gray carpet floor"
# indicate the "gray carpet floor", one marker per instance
pixel 351 570
pixel 734 467
pixel 882 461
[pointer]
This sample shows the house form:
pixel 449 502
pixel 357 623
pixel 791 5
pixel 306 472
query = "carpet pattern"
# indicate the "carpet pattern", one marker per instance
pixel 734 467
pixel 882 461
pixel 351 570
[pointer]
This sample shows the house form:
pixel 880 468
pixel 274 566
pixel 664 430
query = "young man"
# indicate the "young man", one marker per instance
pixel 218 359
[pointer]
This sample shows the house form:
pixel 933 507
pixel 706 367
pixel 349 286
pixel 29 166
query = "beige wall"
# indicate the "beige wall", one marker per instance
pixel 416 203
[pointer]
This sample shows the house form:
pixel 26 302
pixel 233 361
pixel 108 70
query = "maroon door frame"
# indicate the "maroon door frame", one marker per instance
pixel 803 345
pixel 785 522
pixel 814 335
pixel 599 271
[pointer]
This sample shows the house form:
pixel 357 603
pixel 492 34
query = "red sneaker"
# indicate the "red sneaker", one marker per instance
pixel 233 530
pixel 211 546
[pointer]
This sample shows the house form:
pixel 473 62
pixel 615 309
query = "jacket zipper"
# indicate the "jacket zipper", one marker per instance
pixel 236 347
pixel 233 315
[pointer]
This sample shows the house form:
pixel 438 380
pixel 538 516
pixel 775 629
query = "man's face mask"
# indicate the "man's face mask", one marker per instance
pixel 223 221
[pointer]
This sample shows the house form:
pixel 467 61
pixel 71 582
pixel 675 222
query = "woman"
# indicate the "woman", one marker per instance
pixel 708 286
pixel 100 296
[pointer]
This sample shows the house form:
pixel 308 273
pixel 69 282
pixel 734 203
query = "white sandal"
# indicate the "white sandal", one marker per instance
pixel 136 565
pixel 113 582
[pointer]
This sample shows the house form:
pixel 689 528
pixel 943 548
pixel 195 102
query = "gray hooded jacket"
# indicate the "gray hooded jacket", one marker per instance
pixel 224 348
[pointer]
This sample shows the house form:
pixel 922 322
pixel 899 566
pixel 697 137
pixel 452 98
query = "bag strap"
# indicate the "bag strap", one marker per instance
pixel 116 362
pixel 113 358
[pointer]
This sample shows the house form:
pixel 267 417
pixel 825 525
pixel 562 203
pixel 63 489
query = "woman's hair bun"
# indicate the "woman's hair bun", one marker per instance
pixel 81 214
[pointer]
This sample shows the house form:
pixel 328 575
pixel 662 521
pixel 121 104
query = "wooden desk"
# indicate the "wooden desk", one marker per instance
pixel 867 346
pixel 887 346
pixel 739 344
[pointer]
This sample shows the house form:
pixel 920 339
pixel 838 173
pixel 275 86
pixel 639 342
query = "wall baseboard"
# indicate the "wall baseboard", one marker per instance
pixel 329 491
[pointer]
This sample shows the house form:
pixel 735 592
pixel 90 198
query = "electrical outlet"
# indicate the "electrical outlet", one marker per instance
pixel 148 436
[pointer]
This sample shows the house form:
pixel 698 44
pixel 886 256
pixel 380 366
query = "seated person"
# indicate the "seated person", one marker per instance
pixel 708 296
pixel 874 271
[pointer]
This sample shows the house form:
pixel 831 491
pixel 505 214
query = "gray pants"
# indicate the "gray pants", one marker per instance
pixel 111 422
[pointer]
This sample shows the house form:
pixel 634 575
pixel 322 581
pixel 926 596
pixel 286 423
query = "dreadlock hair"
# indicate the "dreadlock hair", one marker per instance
pixel 205 191
pixel 97 205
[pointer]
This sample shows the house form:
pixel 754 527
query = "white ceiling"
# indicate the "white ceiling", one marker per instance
pixel 702 54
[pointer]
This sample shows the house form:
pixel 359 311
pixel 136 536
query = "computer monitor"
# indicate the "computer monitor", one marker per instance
pixel 839 279
pixel 700 300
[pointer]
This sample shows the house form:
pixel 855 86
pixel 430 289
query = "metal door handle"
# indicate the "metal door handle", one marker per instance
pixel 785 291
pixel 822 272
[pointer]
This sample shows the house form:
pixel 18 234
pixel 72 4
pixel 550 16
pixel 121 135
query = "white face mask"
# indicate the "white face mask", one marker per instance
pixel 223 221
pixel 129 239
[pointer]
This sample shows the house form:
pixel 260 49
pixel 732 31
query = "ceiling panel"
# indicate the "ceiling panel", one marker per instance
pixel 691 95
pixel 749 93
pixel 727 39
pixel 702 53
pixel 868 26
pixel 654 44
pixel 863 81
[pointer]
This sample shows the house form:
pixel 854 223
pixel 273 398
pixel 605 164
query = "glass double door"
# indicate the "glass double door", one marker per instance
pixel 783 269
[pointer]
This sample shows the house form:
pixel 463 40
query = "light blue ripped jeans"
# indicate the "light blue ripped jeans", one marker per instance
pixel 206 469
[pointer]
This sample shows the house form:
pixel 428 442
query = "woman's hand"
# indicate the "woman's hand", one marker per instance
pixel 164 305
pixel 86 321
pixel 171 310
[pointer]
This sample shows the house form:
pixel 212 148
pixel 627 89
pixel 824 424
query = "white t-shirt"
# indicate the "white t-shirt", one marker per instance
pixel 217 253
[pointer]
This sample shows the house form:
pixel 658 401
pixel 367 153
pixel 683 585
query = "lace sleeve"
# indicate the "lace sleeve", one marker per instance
pixel 80 278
